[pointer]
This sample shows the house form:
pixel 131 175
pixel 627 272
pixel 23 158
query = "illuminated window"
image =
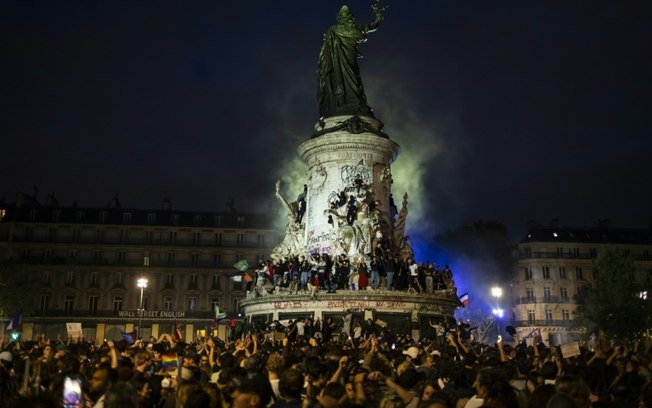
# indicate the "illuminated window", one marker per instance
pixel 192 303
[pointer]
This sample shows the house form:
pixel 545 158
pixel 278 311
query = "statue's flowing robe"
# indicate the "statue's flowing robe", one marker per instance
pixel 340 89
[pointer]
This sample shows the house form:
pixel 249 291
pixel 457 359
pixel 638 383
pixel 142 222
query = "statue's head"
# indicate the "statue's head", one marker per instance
pixel 344 15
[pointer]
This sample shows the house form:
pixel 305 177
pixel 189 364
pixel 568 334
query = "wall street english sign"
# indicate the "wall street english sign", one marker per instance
pixel 153 314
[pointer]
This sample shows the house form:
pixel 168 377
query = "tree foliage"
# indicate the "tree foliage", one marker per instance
pixel 613 303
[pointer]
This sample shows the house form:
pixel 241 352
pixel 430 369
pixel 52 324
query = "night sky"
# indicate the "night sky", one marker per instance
pixel 505 110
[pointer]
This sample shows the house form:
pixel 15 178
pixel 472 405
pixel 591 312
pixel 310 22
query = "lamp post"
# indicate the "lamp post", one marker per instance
pixel 497 292
pixel 142 284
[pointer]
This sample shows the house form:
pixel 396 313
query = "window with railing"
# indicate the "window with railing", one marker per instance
pixel 169 281
pixel 193 281
pixel 172 257
pixel 546 295
pixel 239 240
pixel 528 273
pixel 529 294
pixel 46 278
pixel 565 314
pixel 167 303
pixel 216 260
pixel 548 315
pixel 215 302
pixel 122 257
pixel 126 218
pixel 218 239
pixel 194 259
pixel 578 273
pixel 563 293
pixel 530 316
pixel 172 237
pixel 124 236
pixel 119 279
pixel 95 278
pixel 196 238
pixel 175 219
pixel 151 218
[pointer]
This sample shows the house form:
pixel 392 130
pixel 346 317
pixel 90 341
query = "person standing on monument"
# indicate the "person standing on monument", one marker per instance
pixel 340 90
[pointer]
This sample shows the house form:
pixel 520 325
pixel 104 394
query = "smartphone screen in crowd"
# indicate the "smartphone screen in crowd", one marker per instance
pixel 72 393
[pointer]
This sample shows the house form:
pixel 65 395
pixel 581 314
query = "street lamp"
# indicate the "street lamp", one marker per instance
pixel 497 292
pixel 142 284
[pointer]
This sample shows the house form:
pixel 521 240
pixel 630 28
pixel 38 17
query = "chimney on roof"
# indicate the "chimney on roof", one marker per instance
pixel 167 204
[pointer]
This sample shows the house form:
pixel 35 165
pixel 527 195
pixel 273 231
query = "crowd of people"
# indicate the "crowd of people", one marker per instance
pixel 323 272
pixel 378 368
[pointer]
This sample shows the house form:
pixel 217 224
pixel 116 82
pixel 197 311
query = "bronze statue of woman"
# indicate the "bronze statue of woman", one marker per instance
pixel 340 90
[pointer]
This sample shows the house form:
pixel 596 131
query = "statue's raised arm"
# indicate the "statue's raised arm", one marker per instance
pixel 288 207
pixel 339 89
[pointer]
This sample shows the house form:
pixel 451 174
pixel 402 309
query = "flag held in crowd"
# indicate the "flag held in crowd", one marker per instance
pixel 169 362
pixel 176 332
pixel 130 338
pixel 219 315
pixel 464 299
pixel 16 323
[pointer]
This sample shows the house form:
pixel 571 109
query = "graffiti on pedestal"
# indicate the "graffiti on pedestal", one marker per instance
pixel 343 304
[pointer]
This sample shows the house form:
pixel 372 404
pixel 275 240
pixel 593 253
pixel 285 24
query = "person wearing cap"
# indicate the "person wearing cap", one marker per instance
pixel 412 353
pixel 251 390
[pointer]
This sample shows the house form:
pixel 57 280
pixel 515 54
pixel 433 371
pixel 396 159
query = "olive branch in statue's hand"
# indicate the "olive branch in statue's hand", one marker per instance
pixel 378 8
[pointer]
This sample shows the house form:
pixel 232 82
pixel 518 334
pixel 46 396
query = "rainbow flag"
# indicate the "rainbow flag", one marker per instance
pixel 169 362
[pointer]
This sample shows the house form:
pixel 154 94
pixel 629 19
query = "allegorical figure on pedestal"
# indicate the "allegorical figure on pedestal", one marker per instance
pixel 340 90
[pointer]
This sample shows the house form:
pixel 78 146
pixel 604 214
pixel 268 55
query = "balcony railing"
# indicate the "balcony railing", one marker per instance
pixel 539 323
pixel 542 299
pixel 225 243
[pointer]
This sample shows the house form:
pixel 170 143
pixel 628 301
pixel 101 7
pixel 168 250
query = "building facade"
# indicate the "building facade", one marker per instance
pixel 81 265
pixel 555 263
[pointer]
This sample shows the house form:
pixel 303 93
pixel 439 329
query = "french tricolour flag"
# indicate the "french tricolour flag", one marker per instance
pixel 465 299
pixel 16 322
